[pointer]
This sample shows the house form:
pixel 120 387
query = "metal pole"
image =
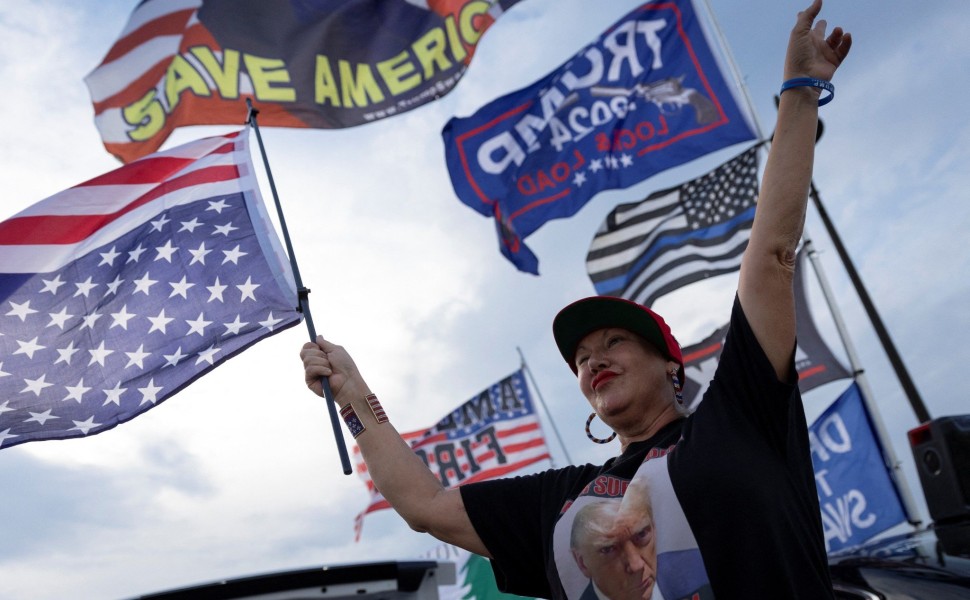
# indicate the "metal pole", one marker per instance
pixel 302 294
pixel 922 415
pixel 545 408
pixel 888 454
pixel 735 72
pixel 890 460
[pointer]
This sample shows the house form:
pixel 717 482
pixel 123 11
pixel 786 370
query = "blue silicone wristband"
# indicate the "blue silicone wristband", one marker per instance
pixel 811 81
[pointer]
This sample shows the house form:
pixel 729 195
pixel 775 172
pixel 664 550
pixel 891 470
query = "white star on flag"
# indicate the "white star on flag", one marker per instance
pixel 21 310
pixel 51 285
pixel 42 417
pixel 149 393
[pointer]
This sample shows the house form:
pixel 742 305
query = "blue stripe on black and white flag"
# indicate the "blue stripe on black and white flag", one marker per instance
pixel 677 236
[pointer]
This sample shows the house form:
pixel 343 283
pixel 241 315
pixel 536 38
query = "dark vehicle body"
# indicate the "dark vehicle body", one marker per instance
pixel 403 580
pixel 930 564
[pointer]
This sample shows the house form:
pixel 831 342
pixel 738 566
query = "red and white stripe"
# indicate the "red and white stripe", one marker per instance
pixel 59 229
pixel 146 45
pixel 137 62
pixel 521 441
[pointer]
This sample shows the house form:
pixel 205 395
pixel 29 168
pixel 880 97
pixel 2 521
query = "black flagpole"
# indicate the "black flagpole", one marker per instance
pixel 302 293
pixel 909 387
pixel 542 401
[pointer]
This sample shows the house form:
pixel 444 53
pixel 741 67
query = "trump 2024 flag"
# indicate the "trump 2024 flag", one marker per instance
pixel 118 292
pixel 646 96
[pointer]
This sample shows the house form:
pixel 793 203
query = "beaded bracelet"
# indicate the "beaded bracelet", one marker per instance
pixel 812 82
pixel 352 420
pixel 375 407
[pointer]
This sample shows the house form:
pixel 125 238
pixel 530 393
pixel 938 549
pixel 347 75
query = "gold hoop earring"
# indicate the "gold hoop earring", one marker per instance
pixel 592 437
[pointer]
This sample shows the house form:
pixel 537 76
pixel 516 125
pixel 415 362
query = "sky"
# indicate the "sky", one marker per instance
pixel 238 474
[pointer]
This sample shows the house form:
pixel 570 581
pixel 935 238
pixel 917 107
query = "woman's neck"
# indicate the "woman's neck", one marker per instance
pixel 649 426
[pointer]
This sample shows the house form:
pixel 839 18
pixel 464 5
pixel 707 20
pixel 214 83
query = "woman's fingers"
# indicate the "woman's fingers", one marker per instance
pixel 315 366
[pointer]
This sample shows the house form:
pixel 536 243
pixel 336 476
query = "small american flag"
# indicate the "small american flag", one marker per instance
pixel 118 292
pixel 491 435
pixel 677 236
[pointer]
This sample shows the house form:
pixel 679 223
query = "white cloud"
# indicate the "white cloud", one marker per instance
pixel 238 474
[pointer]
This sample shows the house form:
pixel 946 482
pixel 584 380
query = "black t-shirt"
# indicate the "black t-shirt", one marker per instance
pixel 731 489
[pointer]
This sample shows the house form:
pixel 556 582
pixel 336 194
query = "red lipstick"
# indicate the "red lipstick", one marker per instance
pixel 601 378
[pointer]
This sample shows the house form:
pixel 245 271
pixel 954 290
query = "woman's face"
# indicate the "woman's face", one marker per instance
pixel 618 371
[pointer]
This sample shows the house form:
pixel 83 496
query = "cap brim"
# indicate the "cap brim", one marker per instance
pixel 579 319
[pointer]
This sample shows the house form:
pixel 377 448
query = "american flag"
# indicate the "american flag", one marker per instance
pixel 117 293
pixel 491 435
pixel 677 236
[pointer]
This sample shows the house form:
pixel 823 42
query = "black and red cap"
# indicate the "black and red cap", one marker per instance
pixel 585 316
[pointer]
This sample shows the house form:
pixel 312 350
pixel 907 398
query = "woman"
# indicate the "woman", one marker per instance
pixel 731 486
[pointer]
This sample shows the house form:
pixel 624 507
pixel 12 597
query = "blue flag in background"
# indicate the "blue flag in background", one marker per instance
pixel 856 494
pixel 646 96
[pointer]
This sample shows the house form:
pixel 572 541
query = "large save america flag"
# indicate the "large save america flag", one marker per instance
pixel 320 64
pixel 118 292
pixel 491 435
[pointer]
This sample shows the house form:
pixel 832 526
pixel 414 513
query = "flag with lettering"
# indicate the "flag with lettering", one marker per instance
pixel 324 65
pixel 491 435
pixel 856 492
pixel 677 236
pixel 646 96
pixel 814 360
pixel 117 293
